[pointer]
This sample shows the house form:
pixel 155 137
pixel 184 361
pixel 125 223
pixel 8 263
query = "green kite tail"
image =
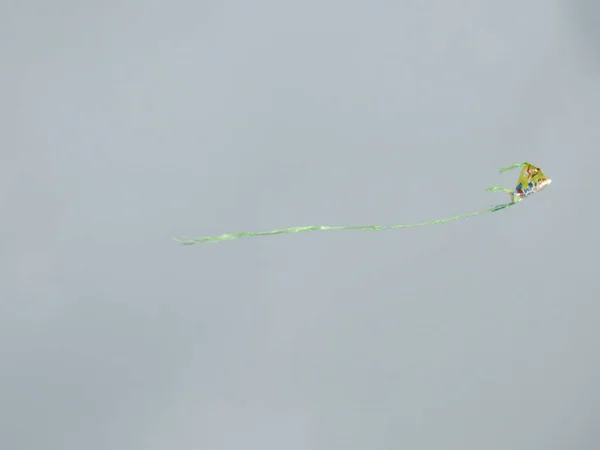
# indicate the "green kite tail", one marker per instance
pixel 227 237
pixel 514 166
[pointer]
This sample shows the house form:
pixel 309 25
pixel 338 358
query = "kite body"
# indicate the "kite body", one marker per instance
pixel 531 180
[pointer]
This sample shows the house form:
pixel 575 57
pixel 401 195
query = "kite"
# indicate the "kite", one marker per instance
pixel 531 180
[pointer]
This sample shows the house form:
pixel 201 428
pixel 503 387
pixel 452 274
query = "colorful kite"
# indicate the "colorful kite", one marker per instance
pixel 531 180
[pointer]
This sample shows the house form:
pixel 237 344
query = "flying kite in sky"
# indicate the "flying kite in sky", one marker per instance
pixel 531 180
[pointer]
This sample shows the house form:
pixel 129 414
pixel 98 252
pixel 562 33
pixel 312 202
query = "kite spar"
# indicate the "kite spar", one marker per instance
pixel 531 180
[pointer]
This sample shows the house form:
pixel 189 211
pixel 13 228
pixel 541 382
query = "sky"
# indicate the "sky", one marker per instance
pixel 128 123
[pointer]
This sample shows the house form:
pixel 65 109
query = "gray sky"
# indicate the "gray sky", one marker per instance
pixel 127 123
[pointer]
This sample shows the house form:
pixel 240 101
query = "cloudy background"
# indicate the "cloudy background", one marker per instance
pixel 126 123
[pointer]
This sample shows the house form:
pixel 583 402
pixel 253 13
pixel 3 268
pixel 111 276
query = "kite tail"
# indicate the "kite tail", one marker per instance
pixel 499 188
pixel 510 192
pixel 230 236
pixel 514 166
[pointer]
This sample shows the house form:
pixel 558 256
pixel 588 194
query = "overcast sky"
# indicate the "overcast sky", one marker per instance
pixel 127 123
